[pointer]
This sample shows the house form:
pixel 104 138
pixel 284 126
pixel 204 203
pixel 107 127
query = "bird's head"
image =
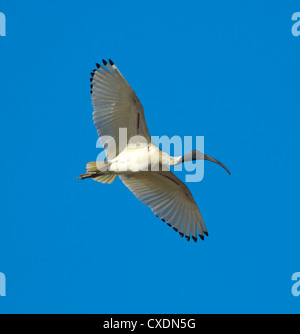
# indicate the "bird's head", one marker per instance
pixel 197 155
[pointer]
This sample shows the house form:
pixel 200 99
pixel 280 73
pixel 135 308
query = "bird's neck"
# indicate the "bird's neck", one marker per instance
pixel 166 159
pixel 172 161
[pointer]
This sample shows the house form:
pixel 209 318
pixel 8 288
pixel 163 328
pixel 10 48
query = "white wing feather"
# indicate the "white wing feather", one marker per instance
pixel 170 199
pixel 116 106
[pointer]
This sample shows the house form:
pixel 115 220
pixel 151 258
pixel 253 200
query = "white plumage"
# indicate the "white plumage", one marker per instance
pixel 140 164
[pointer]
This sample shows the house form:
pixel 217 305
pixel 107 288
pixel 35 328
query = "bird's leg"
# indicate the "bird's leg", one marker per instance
pixel 89 175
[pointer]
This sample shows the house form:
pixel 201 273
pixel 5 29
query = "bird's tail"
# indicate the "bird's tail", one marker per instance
pixel 96 170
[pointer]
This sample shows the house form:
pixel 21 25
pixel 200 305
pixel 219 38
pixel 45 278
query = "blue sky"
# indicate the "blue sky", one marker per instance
pixel 228 71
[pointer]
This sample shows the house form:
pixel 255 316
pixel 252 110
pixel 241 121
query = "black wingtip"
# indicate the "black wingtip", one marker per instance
pixel 98 65
pixel 206 233
pixel 201 237
pixel 194 238
pixel 181 234
pixel 175 229
pixel 104 62
pixel 111 62
pixel 187 237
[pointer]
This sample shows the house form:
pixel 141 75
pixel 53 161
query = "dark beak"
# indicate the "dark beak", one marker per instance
pixel 207 157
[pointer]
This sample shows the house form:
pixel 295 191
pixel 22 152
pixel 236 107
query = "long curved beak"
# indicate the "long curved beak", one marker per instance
pixel 207 157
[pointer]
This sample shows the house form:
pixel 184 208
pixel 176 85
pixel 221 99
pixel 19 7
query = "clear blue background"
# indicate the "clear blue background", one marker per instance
pixel 228 71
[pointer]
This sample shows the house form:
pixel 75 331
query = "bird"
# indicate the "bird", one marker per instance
pixel 115 107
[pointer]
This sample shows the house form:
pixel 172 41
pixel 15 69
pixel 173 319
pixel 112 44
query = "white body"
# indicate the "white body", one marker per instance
pixel 141 159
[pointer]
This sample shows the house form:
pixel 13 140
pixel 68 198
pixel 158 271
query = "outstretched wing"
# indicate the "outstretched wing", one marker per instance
pixel 115 106
pixel 170 199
